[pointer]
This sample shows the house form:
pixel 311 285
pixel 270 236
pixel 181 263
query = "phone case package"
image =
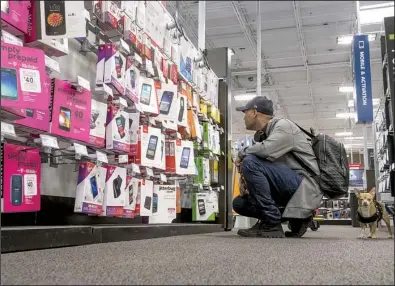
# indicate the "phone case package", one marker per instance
pixel 164 204
pixel 117 130
pixel 56 20
pixel 97 128
pixel 132 76
pixel 168 102
pixel 14 16
pixel 182 117
pixel 21 179
pixel 149 152
pixel 132 188
pixel 114 69
pixel 148 96
pixel 146 197
pixel 204 206
pixel 70 111
pixel 23 78
pixel 90 188
pixel 114 192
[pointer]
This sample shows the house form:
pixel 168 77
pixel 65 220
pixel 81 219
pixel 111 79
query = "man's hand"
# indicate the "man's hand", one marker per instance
pixel 243 187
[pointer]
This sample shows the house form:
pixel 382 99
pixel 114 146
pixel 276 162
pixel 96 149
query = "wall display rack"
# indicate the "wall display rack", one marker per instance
pixel 142 137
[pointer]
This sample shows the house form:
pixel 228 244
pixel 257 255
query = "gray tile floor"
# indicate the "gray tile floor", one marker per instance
pixel 331 256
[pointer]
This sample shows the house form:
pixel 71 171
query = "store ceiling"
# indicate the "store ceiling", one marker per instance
pixel 309 104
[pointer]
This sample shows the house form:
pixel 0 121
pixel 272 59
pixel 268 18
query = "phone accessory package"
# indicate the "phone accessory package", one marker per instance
pixel 114 192
pixel 117 130
pixel 114 69
pixel 23 78
pixel 182 117
pixel 204 206
pixel 149 147
pixel 97 128
pixel 56 20
pixel 132 188
pixel 90 188
pixel 14 16
pixel 146 197
pixel 70 111
pixel 164 204
pixel 21 179
pixel 168 99
pixel 148 96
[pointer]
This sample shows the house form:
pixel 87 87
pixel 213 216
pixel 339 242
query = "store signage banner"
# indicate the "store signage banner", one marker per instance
pixel 362 80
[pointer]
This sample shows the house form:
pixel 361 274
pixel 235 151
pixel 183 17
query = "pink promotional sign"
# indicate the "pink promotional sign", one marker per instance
pixel 71 110
pixel 14 16
pixel 23 83
pixel 21 179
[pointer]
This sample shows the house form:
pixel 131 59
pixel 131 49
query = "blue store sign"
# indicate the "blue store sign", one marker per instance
pixel 362 80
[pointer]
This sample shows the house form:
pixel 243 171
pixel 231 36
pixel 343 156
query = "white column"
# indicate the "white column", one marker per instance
pixel 258 49
pixel 202 25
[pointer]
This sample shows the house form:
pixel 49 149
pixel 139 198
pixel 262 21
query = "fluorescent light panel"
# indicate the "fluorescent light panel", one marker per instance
pixel 353 138
pixel 347 40
pixel 372 14
pixel 244 97
pixel 346 89
pixel 344 134
pixel 376 101
pixel 346 115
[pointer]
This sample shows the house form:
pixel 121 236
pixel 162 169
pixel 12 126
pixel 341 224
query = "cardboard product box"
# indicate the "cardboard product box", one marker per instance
pixel 114 192
pixel 204 206
pixel 148 96
pixel 182 117
pixel 132 77
pixel 155 25
pixel 117 130
pixel 70 111
pixel 101 60
pixel 186 53
pixel 180 157
pixel 164 204
pixel 134 132
pixel 162 164
pixel 55 20
pixel 20 179
pixel 146 197
pixel 10 38
pixel 203 168
pixel 14 16
pixel 132 187
pixel 55 48
pixel 114 69
pixel 149 148
pixel 90 188
pixel 168 106
pixel 97 128
pixel 23 78
pixel 214 171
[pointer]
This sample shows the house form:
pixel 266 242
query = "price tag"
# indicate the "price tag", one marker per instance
pixel 179 135
pixel 149 171
pixel 222 187
pixel 163 178
pixel 125 46
pixel 107 89
pixel 83 83
pixel 30 80
pixel 123 159
pixel 52 64
pixel 136 168
pixel 49 141
pixel 7 129
pixel 123 102
pixel 101 157
pixel 138 59
pixel 80 149
pixel 87 15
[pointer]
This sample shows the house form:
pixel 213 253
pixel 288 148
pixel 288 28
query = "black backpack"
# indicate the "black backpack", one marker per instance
pixel 332 162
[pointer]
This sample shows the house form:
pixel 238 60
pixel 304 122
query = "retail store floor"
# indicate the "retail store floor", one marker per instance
pixel 330 256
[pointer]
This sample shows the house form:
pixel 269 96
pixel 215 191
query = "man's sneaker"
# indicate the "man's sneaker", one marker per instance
pixel 272 230
pixel 252 231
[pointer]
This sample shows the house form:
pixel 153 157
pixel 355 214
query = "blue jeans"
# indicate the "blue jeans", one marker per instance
pixel 270 186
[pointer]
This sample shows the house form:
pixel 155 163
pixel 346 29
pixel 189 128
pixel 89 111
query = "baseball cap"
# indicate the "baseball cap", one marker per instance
pixel 260 103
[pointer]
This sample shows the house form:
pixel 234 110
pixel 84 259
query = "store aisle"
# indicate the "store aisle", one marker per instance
pixel 332 255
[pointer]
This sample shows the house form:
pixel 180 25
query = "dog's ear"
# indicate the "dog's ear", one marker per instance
pixel 357 193
pixel 373 191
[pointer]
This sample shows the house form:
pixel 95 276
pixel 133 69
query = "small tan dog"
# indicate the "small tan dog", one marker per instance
pixel 370 213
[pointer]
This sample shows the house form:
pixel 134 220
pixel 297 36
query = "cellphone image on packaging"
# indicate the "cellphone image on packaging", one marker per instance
pixel 201 207
pixel 130 194
pixel 16 190
pixel 151 150
pixel 155 203
pixel 9 84
pixel 117 186
pixel 132 79
pixel 94 189
pixel 29 112
pixel 5 6
pixel 145 96
pixel 165 102
pixel 181 112
pixel 94 116
pixel 118 66
pixel 64 118
pixel 147 203
pixel 120 121
pixel 184 162
pixel 55 18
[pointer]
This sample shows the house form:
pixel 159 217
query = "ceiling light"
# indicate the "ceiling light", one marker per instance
pixel 245 97
pixel 376 101
pixel 346 115
pixel 353 138
pixel 375 13
pixel 347 89
pixel 347 40
pixel 343 134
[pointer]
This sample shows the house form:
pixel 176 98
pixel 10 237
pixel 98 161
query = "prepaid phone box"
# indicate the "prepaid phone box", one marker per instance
pixel 114 192
pixel 23 75
pixel 164 204
pixel 55 48
pixel 132 188
pixel 132 76
pixel 90 188
pixel 20 179
pixel 109 13
pixel 117 130
pixel 148 96
pixel 55 20
pixel 146 197
pixel 168 102
pixel 101 60
pixel 14 16
pixel 162 165
pixel 204 206
pixel 182 117
pixel 114 69
pixel 134 132
pixel 180 157
pixel 97 128
pixel 149 151
pixel 70 111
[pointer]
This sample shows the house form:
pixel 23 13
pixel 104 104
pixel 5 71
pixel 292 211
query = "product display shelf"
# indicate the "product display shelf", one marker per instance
pixel 56 150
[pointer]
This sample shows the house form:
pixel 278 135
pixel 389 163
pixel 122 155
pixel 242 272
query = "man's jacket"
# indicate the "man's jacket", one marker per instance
pixel 281 141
